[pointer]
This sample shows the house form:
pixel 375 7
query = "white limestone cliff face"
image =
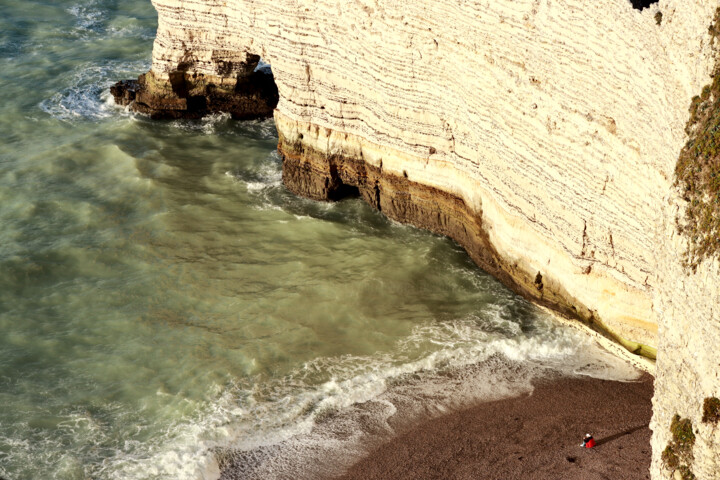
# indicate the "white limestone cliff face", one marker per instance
pixel 558 122
pixel 688 364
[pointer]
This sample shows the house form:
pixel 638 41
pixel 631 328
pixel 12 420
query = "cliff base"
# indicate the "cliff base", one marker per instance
pixel 329 177
pixel 194 96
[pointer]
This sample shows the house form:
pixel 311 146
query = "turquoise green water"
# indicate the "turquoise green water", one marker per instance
pixel 162 294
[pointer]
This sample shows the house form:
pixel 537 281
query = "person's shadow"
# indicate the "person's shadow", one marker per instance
pixel 621 434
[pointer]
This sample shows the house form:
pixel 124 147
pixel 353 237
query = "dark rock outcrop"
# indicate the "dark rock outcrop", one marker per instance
pixel 194 96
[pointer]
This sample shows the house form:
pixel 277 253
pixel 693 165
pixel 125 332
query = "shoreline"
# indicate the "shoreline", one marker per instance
pixel 495 419
pixel 530 436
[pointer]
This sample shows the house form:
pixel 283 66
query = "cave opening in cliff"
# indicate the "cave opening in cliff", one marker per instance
pixel 344 191
pixel 642 4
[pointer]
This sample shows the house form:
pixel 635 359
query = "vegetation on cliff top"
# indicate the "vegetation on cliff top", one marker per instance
pixel 698 169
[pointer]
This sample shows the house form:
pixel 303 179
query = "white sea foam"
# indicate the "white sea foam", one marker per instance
pixel 260 129
pixel 268 176
pixel 91 22
pixel 214 124
pixel 87 96
pixel 220 124
pixel 351 416
pixel 129 28
pixel 262 182
pixel 89 15
pixel 294 427
pixel 320 417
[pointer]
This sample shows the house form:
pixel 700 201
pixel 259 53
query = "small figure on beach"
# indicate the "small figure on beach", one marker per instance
pixel 588 441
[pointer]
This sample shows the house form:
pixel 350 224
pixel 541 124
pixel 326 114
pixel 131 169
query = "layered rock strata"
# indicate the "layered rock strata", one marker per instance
pixel 541 134
pixel 352 167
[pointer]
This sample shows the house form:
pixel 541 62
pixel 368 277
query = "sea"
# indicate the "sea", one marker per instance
pixel 168 310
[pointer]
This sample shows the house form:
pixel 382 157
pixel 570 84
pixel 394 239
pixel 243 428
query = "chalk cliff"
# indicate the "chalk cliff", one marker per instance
pixel 542 135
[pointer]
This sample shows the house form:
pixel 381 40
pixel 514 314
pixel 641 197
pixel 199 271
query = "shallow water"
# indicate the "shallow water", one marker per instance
pixel 162 296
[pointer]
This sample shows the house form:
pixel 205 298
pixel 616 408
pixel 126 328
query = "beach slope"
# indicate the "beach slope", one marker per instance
pixel 536 436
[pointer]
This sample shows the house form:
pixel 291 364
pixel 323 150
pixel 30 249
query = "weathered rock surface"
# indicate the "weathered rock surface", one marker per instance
pixel 541 134
pixel 249 95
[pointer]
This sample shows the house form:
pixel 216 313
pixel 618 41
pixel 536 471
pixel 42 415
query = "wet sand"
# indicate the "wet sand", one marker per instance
pixel 530 437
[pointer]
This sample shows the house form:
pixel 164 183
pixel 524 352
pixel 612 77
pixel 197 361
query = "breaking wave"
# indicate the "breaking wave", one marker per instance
pixel 320 418
pixel 87 94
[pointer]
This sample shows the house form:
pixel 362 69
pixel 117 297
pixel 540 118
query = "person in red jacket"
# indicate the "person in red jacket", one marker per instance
pixel 588 441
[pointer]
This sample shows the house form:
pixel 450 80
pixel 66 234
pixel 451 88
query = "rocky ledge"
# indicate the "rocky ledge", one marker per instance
pixel 194 95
